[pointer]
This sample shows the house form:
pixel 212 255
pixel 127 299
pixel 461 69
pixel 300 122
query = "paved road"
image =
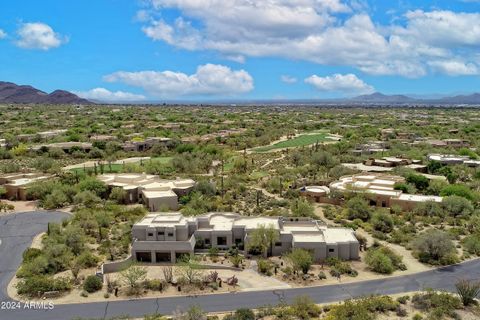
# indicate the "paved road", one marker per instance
pixel 16 233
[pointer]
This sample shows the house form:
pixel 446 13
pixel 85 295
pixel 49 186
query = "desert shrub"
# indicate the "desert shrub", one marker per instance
pixel 87 260
pixel 304 308
pixel 241 314
pixel 434 247
pixel 383 260
pixel 358 208
pixel 31 253
pixel 236 260
pixel 457 206
pixel 339 267
pixel 92 284
pixel 362 309
pixel 155 284
pixel 471 244
pixel 438 304
pixel 420 182
pixel 55 200
pixel 468 291
pixel 382 221
pixel 459 190
pixel 33 285
pixel 264 266
pixel 300 259
pixel 378 262
pixel 403 299
pixel 321 275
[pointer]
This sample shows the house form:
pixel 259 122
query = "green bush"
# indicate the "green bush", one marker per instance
pixel 92 284
pixel 87 260
pixel 155 285
pixel 378 262
pixel 241 314
pixel 420 182
pixel 459 190
pixel 339 267
pixel 434 247
pixel 382 221
pixel 358 208
pixel 383 260
pixel 31 253
pixel 33 285
pixel 264 266
pixel 300 259
pixel 472 244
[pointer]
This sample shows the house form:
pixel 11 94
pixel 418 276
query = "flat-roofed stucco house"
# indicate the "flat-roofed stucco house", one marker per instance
pixel 16 184
pixel 380 189
pixel 154 192
pixel 164 237
pixel 449 159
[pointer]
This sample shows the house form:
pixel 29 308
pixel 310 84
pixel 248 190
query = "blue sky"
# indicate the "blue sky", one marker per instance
pixel 121 50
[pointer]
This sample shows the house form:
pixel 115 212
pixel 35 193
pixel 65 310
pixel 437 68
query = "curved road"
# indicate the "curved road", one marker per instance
pixel 17 232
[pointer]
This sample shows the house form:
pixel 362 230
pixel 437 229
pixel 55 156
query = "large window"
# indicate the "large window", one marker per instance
pixel 221 241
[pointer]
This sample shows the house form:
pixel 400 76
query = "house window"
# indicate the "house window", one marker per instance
pixel 331 250
pixel 221 241
pixel 161 233
pixel 238 240
pixel 278 244
pixel 170 234
pixel 207 241
pixel 150 234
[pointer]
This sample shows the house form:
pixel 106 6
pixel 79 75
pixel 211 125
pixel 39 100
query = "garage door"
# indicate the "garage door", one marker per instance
pixel 144 256
pixel 163 256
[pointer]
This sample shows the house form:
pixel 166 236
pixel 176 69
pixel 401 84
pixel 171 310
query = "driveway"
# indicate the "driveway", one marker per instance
pixel 16 233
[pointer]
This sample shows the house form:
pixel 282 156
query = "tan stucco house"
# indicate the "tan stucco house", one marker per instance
pixel 164 237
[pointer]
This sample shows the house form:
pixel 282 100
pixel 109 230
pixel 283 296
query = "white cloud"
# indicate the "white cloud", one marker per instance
pixel 454 67
pixel 288 79
pixel 313 30
pixel 3 34
pixel 209 79
pixel 348 83
pixel 38 35
pixel 102 94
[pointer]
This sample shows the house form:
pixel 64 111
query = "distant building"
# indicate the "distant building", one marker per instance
pixel 17 184
pixel 453 159
pixel 144 145
pixel 65 146
pixel 380 190
pixel 164 237
pixel 370 148
pixel 150 190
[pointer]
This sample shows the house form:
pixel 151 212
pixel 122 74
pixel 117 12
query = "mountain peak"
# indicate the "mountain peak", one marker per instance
pixel 13 93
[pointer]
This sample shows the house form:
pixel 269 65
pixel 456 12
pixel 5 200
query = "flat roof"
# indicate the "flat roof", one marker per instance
pixel 159 194
pixel 334 235
pixel 420 198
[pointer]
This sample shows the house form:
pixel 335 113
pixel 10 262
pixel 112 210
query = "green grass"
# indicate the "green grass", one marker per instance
pixel 163 160
pixel 117 168
pixel 300 141
pixel 256 175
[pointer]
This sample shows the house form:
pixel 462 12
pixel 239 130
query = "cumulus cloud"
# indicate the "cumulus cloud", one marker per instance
pixel 37 35
pixel 454 67
pixel 348 83
pixel 288 79
pixel 209 79
pixel 102 94
pixel 313 30
pixel 3 34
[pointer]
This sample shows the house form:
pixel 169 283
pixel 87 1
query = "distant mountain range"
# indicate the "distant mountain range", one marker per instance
pixel 13 93
pixel 379 98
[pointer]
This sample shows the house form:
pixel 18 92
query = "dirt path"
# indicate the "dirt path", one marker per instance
pixel 266 164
